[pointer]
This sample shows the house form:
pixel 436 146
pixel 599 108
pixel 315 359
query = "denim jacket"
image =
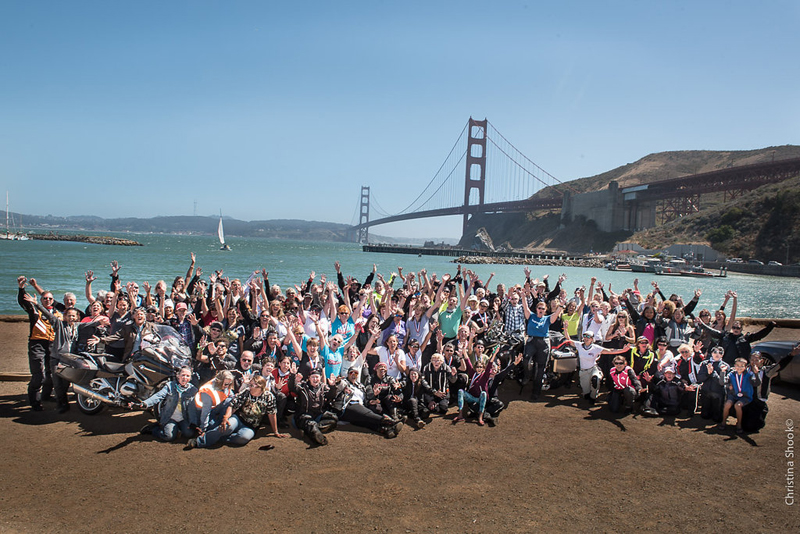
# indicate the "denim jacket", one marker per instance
pixel 169 397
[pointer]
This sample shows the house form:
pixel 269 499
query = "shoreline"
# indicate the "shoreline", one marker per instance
pixel 82 238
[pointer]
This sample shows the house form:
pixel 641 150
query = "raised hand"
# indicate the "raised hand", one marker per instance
pixel 90 277
pixel 280 383
pixel 191 255
pixel 22 282
pixel 115 267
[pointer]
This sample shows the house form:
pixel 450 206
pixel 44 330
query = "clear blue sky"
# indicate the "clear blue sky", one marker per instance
pixel 283 110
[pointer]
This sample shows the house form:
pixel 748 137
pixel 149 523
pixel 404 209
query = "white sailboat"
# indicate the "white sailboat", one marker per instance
pixel 9 235
pixel 221 234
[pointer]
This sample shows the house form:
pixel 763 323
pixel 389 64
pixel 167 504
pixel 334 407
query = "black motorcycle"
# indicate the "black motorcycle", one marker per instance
pixel 98 380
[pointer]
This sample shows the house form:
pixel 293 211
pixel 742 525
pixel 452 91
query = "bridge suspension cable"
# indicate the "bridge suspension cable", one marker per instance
pixel 508 177
pixel 517 171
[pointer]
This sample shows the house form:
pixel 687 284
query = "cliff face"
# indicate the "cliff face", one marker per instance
pixel 743 235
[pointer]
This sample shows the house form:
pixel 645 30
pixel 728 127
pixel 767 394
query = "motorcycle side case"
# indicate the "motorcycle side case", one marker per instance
pixel 74 374
pixel 564 361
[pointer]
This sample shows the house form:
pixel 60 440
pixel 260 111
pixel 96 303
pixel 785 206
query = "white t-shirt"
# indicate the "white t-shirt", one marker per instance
pixel 391 361
pixel 590 324
pixel 668 361
pixel 588 357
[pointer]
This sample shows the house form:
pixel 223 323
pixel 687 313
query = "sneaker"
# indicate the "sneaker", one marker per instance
pixel 192 443
pixel 739 430
pixel 390 433
pixel 491 421
pixel 37 407
pixel 419 423
pixel 147 429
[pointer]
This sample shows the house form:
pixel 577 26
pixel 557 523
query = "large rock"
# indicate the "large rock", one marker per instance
pixel 482 241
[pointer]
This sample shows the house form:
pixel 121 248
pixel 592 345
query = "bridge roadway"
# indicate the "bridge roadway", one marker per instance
pixel 530 204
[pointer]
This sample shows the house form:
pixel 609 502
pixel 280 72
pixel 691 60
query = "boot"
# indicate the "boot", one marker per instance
pixel 318 436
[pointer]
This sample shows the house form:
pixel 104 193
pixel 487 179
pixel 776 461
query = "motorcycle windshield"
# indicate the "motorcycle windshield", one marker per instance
pixel 170 345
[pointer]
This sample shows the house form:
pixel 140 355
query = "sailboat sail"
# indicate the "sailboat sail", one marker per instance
pixel 220 232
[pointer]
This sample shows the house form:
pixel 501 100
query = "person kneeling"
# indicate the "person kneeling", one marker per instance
pixel 313 398
pixel 668 394
pixel 174 401
pixel 626 386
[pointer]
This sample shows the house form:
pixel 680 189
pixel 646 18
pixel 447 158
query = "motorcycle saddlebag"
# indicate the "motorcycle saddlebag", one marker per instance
pixel 75 375
pixel 75 369
pixel 564 361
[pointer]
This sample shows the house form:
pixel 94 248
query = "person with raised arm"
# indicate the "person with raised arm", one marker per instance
pixel 590 374
pixel 733 340
pixel 66 332
pixel 754 415
pixel 537 349
pixel 476 394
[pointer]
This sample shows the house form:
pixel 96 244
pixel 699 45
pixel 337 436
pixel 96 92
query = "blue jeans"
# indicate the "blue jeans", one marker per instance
pixel 472 400
pixel 240 434
pixel 167 432
pixel 214 433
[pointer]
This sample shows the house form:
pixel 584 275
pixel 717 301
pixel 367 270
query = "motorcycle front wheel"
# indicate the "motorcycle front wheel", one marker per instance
pixel 88 405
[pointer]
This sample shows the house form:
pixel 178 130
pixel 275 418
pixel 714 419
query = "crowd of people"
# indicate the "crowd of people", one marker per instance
pixel 384 353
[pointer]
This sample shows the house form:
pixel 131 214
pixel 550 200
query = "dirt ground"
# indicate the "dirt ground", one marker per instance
pixel 555 465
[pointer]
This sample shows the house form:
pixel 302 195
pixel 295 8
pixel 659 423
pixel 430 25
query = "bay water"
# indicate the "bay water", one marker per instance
pixel 60 266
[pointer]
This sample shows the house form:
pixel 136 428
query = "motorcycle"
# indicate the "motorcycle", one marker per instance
pixel 98 381
pixel 561 365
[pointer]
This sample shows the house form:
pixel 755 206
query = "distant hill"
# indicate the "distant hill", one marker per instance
pixel 205 225
pixel 749 227
pixel 279 228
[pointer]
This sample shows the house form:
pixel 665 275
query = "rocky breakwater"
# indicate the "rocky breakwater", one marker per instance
pixel 93 239
pixel 548 261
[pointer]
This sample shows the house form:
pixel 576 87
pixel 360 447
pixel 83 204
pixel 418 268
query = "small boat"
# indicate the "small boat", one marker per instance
pixel 12 235
pixel 647 265
pixel 618 266
pixel 221 234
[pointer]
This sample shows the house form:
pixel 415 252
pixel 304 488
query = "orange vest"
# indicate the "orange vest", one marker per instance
pixel 216 395
pixel 42 329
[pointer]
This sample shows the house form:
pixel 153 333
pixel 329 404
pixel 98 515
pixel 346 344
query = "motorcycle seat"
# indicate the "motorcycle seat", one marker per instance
pixel 111 367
